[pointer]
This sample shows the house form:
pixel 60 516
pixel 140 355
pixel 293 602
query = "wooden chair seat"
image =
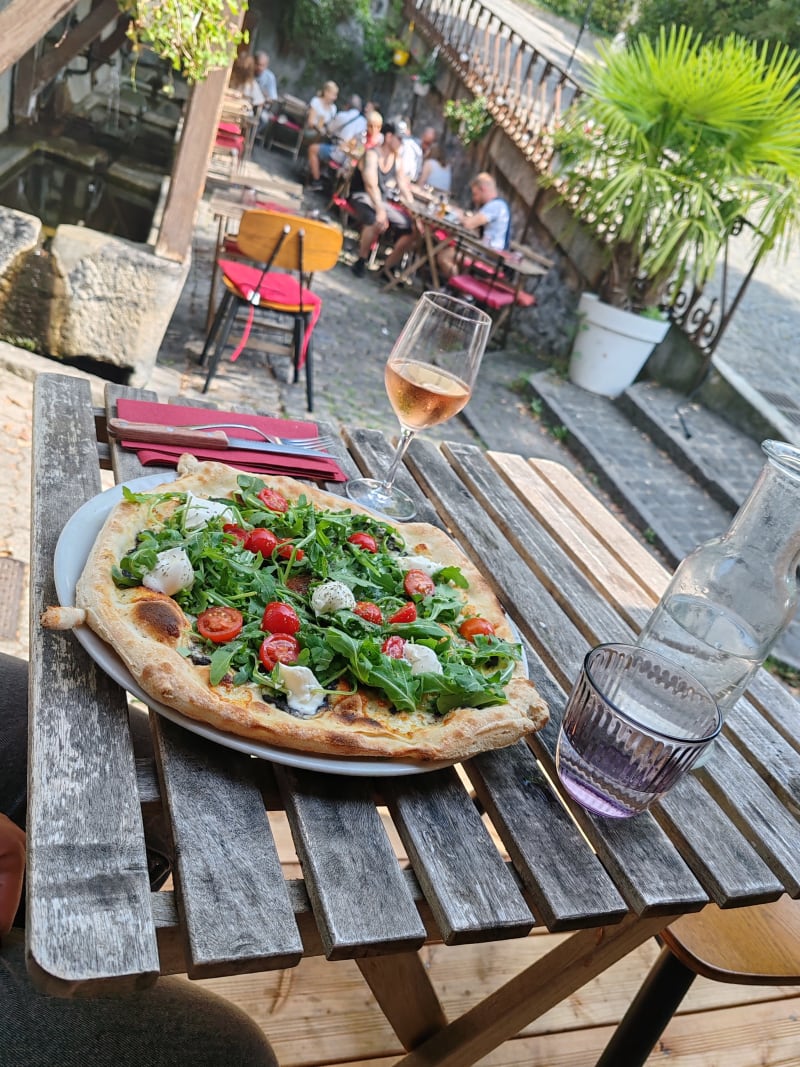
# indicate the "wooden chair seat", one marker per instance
pixel 753 946
pixel 759 945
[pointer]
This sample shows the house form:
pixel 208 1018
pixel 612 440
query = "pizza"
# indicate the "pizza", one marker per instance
pixel 280 613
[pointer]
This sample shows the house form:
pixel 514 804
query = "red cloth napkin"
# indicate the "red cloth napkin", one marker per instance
pixel 318 467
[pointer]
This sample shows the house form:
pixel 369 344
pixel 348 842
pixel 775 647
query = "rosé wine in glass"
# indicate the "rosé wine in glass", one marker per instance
pixel 429 378
pixel 423 396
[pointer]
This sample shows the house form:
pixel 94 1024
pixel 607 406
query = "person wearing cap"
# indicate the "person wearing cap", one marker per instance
pixel 378 179
pixel 347 125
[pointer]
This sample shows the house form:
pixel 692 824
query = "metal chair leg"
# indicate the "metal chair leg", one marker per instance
pixel 297 347
pixel 310 376
pixel 223 340
pixel 649 1013
pixel 215 325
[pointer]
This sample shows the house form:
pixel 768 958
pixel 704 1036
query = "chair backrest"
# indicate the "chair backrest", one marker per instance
pixel 289 242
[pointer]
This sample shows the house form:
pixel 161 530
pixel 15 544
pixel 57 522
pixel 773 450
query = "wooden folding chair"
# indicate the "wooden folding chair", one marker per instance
pixel 759 945
pixel 287 249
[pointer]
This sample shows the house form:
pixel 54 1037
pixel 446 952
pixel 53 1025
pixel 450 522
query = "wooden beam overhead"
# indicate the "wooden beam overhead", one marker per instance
pixel 78 38
pixel 23 23
pixel 191 164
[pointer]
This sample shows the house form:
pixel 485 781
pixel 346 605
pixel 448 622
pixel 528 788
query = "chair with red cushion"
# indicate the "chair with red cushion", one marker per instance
pixel 282 252
pixel 493 281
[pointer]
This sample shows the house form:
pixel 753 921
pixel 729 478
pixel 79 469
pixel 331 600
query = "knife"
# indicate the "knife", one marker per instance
pixel 184 437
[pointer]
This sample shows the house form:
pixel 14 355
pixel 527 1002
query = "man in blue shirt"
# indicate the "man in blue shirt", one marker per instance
pixel 265 77
pixel 491 217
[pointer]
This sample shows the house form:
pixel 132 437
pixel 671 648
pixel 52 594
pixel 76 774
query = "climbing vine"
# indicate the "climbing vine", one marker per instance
pixel 193 36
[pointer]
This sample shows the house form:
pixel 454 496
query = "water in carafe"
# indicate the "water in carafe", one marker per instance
pixel 732 597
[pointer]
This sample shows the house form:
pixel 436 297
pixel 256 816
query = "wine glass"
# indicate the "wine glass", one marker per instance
pixel 429 378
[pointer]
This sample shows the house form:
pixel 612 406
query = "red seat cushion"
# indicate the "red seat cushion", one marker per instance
pixel 230 127
pixel 281 292
pixel 493 296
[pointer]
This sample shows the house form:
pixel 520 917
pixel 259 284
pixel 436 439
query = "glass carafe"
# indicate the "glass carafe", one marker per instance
pixel 732 597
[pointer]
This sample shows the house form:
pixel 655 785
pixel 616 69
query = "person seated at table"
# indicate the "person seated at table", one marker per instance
pixel 427 142
pixel 321 111
pixel 374 133
pixel 174 1024
pixel 491 218
pixel 437 174
pixel 243 81
pixel 411 152
pixel 377 181
pixel 265 77
pixel 346 126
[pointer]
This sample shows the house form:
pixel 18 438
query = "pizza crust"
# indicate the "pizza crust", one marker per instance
pixel 146 629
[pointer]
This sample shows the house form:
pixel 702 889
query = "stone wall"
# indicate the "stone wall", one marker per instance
pixel 89 297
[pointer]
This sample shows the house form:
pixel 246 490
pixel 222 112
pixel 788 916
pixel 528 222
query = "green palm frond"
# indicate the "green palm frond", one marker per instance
pixel 674 143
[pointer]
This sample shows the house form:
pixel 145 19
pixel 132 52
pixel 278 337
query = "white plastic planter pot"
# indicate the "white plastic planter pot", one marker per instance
pixel 611 347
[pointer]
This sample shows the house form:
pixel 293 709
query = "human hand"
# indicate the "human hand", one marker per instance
pixel 381 220
pixel 12 867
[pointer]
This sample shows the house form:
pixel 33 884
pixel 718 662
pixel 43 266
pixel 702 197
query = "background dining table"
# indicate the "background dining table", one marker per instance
pixel 494 847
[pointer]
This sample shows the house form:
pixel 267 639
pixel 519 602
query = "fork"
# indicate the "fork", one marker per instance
pixel 313 444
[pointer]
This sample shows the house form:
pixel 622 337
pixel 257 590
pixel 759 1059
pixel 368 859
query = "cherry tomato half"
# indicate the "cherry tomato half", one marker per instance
pixel 369 611
pixel 278 648
pixel 285 549
pixel 393 646
pixel 408 613
pixel 261 540
pixel 280 618
pixel 219 624
pixel 475 625
pixel 364 540
pixel 417 583
pixel 273 500
pixel 235 531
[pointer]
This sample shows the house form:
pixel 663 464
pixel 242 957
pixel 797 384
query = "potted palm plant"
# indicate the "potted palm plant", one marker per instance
pixel 674 144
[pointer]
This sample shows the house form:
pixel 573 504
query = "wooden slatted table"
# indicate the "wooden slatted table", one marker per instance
pixel 570 576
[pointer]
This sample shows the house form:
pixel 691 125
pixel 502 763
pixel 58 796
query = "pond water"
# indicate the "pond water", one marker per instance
pixel 58 191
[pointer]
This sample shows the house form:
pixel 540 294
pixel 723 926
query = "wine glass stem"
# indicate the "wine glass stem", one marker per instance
pixel 406 437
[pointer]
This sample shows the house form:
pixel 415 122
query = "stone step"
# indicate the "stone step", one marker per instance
pixel 659 497
pixel 678 490
pixel 717 455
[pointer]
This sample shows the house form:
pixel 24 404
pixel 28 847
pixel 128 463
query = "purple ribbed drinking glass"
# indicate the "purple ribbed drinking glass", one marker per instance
pixel 634 723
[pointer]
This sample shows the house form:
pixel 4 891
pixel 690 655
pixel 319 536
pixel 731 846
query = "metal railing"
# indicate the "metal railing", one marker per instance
pixel 525 92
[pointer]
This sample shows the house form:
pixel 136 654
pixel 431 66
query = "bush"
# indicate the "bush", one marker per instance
pixel 608 16
pixel 759 20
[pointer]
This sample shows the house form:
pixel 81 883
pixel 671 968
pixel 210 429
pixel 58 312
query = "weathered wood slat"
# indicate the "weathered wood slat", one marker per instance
pixel 522 594
pixel 777 835
pixel 646 866
pixel 88 886
pixel 233 901
pixel 588 609
pixel 600 566
pixel 634 557
pixel 220 937
pixel 356 888
pixel 529 818
pixel 374 454
pixel 728 866
pixel 446 843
